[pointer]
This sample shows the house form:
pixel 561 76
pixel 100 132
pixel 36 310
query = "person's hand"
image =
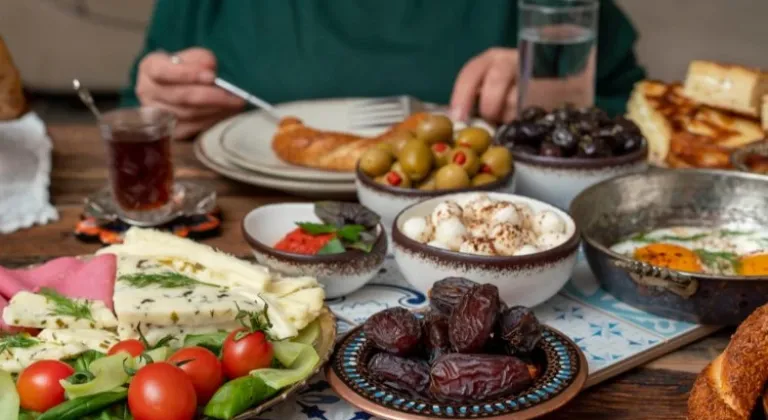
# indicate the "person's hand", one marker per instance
pixel 184 86
pixel 490 80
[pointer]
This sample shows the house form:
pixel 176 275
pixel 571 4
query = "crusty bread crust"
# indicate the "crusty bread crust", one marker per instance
pixel 12 102
pixel 301 145
pixel 728 389
pixel 730 87
pixel 765 113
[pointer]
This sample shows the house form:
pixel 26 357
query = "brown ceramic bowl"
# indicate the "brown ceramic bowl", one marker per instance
pixel 340 274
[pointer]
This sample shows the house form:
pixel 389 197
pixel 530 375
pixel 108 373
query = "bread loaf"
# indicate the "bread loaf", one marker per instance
pixel 729 87
pixel 12 102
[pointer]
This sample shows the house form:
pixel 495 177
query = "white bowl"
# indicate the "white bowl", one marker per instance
pixel 388 201
pixel 522 280
pixel 557 180
pixel 340 274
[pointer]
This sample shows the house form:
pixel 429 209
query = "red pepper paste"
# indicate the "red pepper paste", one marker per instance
pixel 300 242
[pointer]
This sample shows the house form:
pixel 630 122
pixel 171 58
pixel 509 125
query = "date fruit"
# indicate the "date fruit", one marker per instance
pixel 394 330
pixel 519 329
pixel 446 293
pixel 477 377
pixel 474 318
pixel 407 375
pixel 436 335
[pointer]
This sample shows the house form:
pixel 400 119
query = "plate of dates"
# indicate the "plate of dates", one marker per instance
pixel 467 356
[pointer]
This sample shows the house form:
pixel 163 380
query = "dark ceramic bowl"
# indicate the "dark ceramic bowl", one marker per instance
pixel 613 210
pixel 522 280
pixel 340 274
pixel 557 180
pixel 751 158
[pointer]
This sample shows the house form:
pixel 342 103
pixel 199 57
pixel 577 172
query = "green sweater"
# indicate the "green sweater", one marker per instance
pixel 284 50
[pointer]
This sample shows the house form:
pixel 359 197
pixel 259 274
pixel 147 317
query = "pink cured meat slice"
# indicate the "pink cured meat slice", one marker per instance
pixel 13 281
pixel 93 279
pixel 3 304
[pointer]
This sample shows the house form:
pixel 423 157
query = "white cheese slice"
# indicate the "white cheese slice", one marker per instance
pixel 196 304
pixel 16 359
pixel 32 310
pixel 154 334
pixel 227 270
pixel 99 340
pixel 285 286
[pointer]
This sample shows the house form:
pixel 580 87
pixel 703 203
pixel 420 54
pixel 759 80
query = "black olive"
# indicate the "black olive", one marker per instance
pixel 532 114
pixel 532 133
pixel 550 149
pixel 565 139
pixel 628 142
pixel 593 147
pixel 508 133
pixel 547 121
pixel 625 125
pixel 524 149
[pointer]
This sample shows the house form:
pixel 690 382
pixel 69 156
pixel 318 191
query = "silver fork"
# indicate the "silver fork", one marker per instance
pixel 383 112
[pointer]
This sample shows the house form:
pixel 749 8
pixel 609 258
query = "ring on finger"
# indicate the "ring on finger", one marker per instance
pixel 175 59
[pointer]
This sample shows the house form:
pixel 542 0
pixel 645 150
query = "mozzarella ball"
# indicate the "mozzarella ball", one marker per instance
pixel 418 229
pixel 436 244
pixel 526 213
pixel 551 240
pixel 451 232
pixel 526 250
pixel 477 246
pixel 478 229
pixel 506 213
pixel 507 238
pixel 445 210
pixel 547 221
pixel 475 204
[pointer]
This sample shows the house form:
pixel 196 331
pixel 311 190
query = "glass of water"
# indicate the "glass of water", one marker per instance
pixel 557 44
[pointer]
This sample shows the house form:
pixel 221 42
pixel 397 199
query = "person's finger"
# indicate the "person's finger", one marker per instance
pixel 183 113
pixel 496 85
pixel 465 89
pixel 159 67
pixel 195 95
pixel 510 109
pixel 199 56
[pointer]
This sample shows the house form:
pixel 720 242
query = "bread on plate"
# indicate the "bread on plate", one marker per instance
pixel 730 87
pixel 12 102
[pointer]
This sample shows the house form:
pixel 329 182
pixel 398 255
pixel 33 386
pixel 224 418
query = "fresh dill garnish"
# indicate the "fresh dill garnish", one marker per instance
pixel 643 237
pixel 166 280
pixel 727 232
pixel 17 341
pixel 65 306
pixel 718 259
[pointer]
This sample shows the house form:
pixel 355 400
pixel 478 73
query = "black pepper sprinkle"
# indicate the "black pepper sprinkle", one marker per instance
pixel 147 301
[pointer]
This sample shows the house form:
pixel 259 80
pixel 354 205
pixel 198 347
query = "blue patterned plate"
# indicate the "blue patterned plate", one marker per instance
pixel 563 366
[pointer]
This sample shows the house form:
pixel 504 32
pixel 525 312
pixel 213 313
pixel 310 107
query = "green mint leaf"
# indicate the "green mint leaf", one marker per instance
pixel 65 306
pixel 334 246
pixel 350 233
pixel 362 246
pixel 316 228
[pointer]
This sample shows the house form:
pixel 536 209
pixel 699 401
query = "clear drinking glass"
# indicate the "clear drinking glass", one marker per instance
pixel 138 144
pixel 557 43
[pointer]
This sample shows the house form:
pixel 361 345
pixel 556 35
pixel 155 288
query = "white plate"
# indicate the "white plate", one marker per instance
pixel 208 151
pixel 248 141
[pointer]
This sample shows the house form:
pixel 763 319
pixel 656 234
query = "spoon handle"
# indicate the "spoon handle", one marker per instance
pixel 86 97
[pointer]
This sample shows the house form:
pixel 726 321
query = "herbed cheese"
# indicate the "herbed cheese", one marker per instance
pixel 33 310
pixel 153 333
pixel 15 359
pixel 99 340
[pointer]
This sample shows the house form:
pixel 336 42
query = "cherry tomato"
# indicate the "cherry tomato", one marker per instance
pixel 161 391
pixel 38 384
pixel 252 351
pixel 203 369
pixel 133 347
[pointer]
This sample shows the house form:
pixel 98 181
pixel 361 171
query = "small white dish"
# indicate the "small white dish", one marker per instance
pixel 340 274
pixel 522 280
pixel 558 180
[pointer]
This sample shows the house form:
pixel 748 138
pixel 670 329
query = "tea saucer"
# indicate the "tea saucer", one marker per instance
pixel 188 199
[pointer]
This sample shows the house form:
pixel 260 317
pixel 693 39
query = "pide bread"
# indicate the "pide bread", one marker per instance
pixel 729 87
pixel 12 102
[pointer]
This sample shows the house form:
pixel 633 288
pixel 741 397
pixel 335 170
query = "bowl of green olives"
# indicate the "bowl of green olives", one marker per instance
pixel 432 160
pixel 560 153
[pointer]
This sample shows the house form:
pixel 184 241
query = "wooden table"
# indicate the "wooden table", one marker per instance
pixel 655 391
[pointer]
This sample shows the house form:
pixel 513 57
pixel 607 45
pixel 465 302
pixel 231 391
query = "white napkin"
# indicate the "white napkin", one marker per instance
pixel 25 173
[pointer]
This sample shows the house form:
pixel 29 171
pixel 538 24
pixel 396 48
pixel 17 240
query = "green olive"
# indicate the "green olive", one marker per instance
pixel 397 179
pixel 398 140
pixel 466 158
pixel 387 147
pixel 397 167
pixel 451 176
pixel 435 129
pixel 416 159
pixel 381 180
pixel 497 160
pixel 428 183
pixel 375 162
pixel 476 138
pixel 482 179
pixel 440 152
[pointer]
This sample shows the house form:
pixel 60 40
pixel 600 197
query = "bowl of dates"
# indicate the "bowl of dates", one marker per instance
pixel 525 247
pixel 468 356
pixel 437 157
pixel 558 154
